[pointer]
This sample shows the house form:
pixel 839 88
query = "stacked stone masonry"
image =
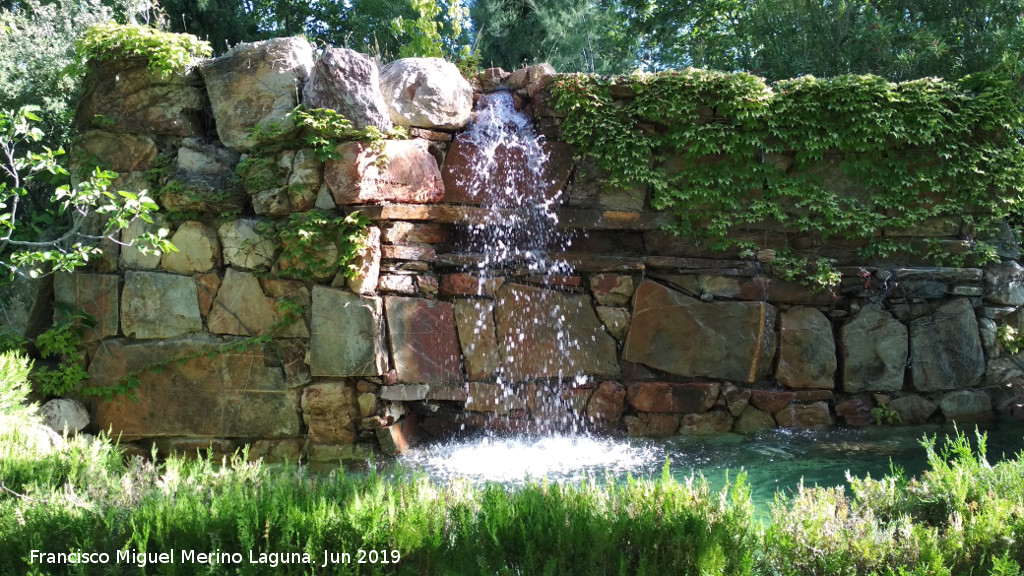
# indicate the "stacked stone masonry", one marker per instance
pixel 671 337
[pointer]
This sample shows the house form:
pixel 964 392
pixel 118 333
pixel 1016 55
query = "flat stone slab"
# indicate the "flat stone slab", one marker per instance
pixel 684 336
pixel 156 305
pixel 94 294
pixel 217 392
pixel 347 334
pixel 424 345
pixel 546 334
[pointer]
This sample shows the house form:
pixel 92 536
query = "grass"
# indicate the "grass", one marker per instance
pixel 962 516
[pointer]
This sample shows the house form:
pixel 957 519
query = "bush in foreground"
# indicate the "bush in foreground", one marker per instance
pixel 962 516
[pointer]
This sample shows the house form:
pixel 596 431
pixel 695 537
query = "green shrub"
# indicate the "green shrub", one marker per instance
pixel 167 53
pixel 14 384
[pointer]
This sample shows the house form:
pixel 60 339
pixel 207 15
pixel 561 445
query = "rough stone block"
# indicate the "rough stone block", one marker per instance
pixel 218 392
pixel 156 305
pixel 946 349
pixel 198 250
pixel 424 345
pixel 807 350
pixel 346 334
pixel 94 294
pixel 874 348
pixel 683 336
pixel 411 175
pixel 330 411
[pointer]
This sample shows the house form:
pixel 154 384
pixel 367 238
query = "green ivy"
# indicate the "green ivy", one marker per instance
pixel 167 53
pixel 305 236
pixel 848 157
pixel 62 342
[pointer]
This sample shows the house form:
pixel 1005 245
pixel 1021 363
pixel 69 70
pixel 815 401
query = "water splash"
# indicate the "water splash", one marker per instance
pixel 518 239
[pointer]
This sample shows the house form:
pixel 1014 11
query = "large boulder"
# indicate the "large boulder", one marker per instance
pixel 807 350
pixel 347 335
pixel 689 338
pixel 874 351
pixel 967 405
pixel 331 412
pixel 424 345
pixel 946 348
pixel 426 93
pixel 256 86
pixel 155 305
pixel 347 81
pixel 125 94
pixel 410 176
pixel 206 387
pixel 117 151
pixel 547 334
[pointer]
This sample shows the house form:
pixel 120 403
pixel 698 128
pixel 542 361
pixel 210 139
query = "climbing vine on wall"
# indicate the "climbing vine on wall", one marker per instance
pixel 849 157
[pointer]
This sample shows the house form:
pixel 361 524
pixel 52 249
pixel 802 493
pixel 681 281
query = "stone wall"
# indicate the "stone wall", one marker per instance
pixel 670 337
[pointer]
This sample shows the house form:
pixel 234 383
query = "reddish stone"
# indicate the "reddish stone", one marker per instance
pixel 463 159
pixel 423 341
pixel 771 400
pixel 207 285
pixel 462 284
pixel 414 232
pixel 427 285
pixel 810 416
pixel 611 289
pixel 420 253
pixel 652 425
pixel 555 281
pixel 714 422
pixel 672 397
pixel 855 412
pixel 606 404
pixel 411 175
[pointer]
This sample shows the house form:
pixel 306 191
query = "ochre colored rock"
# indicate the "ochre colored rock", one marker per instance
pixel 873 345
pixel 330 411
pixel 424 345
pixel 652 425
pixel 611 289
pixel 206 288
pixel 530 342
pixel 254 86
pixel 807 350
pixel 124 92
pixel 346 335
pixel 946 348
pixel 771 400
pixel 813 416
pixel 411 175
pixel 198 250
pixel 606 405
pixel 689 397
pixel 855 412
pixel 464 161
pixel 414 233
pixel 368 263
pixel 689 338
pixel 218 392
pixel 714 422
pixel 117 151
